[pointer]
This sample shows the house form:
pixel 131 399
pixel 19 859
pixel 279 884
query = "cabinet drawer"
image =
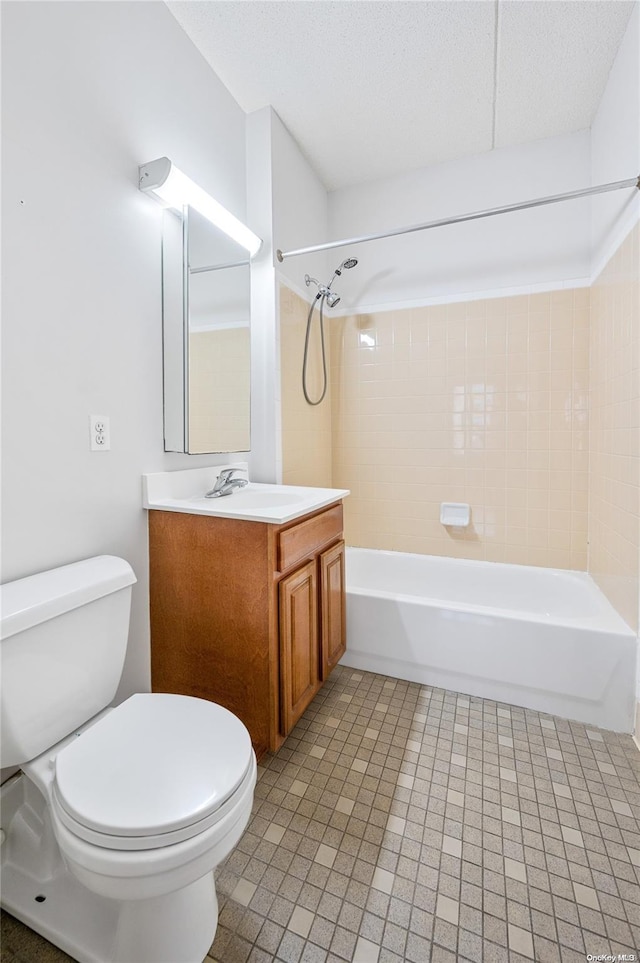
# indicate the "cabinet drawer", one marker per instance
pixel 302 540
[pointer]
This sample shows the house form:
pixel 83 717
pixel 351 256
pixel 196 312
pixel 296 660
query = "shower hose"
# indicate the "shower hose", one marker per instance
pixel 321 298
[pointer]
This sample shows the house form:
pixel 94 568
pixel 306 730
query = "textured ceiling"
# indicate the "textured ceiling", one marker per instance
pixel 371 89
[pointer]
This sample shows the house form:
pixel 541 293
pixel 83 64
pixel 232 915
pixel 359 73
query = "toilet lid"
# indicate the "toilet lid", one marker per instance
pixel 155 764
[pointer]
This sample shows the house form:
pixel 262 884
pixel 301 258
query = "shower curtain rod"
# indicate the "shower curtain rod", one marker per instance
pixel 552 199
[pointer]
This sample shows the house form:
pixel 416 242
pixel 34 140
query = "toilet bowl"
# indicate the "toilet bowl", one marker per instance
pixel 189 772
pixel 113 832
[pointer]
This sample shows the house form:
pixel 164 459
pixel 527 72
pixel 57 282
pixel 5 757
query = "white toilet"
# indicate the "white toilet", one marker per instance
pixel 118 818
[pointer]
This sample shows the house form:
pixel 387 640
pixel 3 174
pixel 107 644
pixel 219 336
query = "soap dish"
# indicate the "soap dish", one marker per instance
pixel 455 514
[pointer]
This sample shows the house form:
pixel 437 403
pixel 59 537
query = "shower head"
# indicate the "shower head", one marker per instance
pixel 324 291
pixel 348 264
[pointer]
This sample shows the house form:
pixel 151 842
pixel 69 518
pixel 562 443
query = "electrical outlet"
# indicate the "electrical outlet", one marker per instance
pixel 100 432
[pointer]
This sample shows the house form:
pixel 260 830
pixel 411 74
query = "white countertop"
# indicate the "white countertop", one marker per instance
pixel 183 491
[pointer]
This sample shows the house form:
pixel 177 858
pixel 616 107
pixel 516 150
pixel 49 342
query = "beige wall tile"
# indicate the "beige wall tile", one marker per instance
pixel 485 397
pixel 306 430
pixel 614 493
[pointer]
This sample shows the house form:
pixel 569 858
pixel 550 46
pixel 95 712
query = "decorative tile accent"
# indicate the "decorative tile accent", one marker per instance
pixel 572 836
pixel 448 909
pixel 521 941
pixel 274 833
pixel 634 856
pixel 243 892
pixel 452 846
pixel 300 922
pixel 326 855
pixel 395 824
pixel 383 880
pixel 511 816
pixel 586 896
pixel 366 951
pixel 405 781
pixel 515 870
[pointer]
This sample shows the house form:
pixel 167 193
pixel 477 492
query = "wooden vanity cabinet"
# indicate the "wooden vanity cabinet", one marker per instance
pixel 300 676
pixel 333 616
pixel 248 614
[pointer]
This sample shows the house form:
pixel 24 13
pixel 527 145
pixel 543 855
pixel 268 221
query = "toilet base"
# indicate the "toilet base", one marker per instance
pixel 175 928
pixel 178 928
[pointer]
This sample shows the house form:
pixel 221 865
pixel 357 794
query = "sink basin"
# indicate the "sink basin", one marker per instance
pixel 184 491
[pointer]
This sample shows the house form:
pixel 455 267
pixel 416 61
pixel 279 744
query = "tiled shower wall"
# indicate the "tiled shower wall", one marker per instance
pixel 482 402
pixel 425 408
pixel 614 493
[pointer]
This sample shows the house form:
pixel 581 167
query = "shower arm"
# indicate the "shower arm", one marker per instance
pixel 459 218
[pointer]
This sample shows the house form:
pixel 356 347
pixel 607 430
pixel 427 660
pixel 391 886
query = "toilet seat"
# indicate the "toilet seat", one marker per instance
pixel 158 769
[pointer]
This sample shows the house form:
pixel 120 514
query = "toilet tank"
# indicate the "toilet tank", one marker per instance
pixel 63 640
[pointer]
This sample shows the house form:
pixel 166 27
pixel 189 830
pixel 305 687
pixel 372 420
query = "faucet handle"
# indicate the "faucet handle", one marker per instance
pixel 226 474
pixel 225 483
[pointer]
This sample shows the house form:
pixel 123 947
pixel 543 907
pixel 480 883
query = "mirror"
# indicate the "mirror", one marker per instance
pixel 206 288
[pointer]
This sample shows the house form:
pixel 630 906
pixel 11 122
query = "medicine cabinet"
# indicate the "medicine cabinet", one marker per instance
pixel 206 289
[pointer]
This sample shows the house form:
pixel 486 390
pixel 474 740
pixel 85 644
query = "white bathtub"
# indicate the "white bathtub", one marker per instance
pixel 545 639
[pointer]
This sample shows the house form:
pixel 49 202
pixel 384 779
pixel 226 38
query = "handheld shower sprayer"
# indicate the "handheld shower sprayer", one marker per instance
pixel 348 264
pixel 332 299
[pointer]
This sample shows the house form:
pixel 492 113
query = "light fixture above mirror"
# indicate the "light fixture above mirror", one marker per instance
pixel 168 184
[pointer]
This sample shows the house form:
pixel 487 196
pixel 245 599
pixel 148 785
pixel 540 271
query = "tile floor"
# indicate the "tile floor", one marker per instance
pixel 404 823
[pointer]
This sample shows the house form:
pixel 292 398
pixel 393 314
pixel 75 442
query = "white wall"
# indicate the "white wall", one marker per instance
pixel 300 211
pixel 536 247
pixel 615 149
pixel 266 457
pixel 91 90
pixel 286 202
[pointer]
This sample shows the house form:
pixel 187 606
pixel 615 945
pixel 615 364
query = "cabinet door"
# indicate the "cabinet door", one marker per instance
pixel 299 657
pixel 332 607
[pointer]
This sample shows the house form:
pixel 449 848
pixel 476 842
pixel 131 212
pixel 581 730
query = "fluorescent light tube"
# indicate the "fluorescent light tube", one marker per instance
pixel 176 190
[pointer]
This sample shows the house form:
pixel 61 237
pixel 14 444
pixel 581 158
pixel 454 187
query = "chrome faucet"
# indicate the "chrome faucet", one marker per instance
pixel 225 484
